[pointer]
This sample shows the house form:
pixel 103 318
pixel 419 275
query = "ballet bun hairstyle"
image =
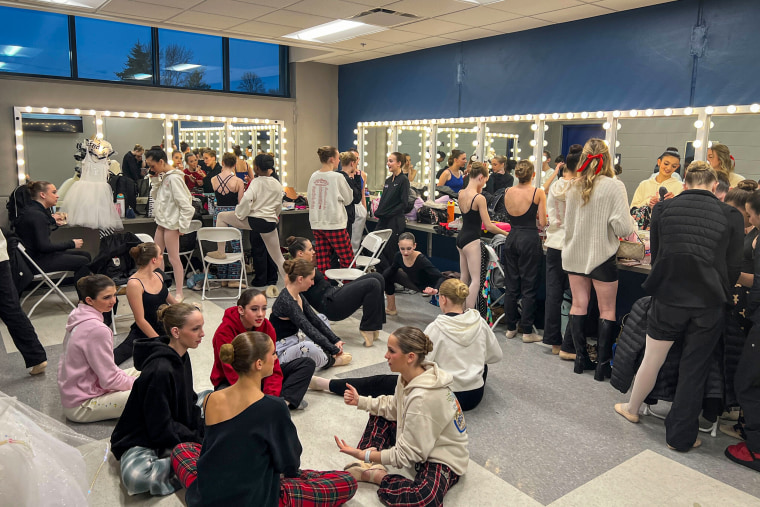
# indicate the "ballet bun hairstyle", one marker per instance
pixel 573 156
pixel 348 157
pixel 245 350
pixel 413 340
pixel 454 290
pixel 144 253
pixel 229 160
pixel 478 169
pixel 325 153
pixel 171 316
pixel 264 162
pixel 407 236
pixel 297 267
pixel 524 171
pixel 92 285
pixel 747 185
pixel 156 154
pixel 37 187
pixel 296 244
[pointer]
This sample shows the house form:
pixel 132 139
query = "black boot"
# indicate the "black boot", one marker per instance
pixel 577 325
pixel 604 349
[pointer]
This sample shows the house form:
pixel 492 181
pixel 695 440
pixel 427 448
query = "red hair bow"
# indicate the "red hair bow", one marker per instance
pixel 589 158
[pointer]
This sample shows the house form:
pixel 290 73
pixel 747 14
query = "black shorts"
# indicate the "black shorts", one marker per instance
pixel 671 323
pixel 604 272
pixel 260 225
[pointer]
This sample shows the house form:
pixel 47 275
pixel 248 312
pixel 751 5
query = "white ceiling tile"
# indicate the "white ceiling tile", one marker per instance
pixel 277 4
pixel 473 33
pixel 395 36
pixel 203 19
pixel 260 29
pixel 139 9
pixel 179 4
pixel 430 42
pixel 479 16
pixel 360 44
pixel 233 8
pixel 431 27
pixel 337 60
pixel 531 7
pixel 361 56
pixel 294 19
pixel 428 8
pixel 622 5
pixel 573 13
pixel 517 25
pixel 332 7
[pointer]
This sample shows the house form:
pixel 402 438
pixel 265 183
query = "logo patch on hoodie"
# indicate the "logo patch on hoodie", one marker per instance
pixel 459 421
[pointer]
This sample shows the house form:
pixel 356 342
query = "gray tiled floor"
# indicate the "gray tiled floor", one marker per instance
pixel 549 434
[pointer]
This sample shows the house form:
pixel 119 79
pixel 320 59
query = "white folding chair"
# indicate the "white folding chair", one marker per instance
pixel 374 242
pixel 145 238
pixel 188 255
pixel 493 259
pixel 45 279
pixel 218 235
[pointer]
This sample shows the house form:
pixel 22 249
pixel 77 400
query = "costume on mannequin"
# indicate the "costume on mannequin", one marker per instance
pixel 89 201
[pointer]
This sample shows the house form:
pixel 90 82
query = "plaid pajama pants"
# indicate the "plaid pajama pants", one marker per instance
pixel 327 242
pixel 430 485
pixel 228 270
pixel 310 489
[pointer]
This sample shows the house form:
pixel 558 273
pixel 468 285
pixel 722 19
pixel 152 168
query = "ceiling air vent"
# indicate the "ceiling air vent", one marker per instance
pixel 384 17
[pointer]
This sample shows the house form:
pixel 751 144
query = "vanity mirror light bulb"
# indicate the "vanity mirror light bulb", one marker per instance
pixel 617 144
pixel 427 181
pixel 533 142
pixel 529 117
pixel 688 111
pixel 284 151
pixel 505 118
pixel 699 124
pixel 542 116
pixel 546 128
pixel 600 114
pixel 284 162
pixel 61 110
pixel 99 121
pixel 19 147
pixel 28 109
pixel 366 164
pixel 712 125
pixel 546 143
pixel 532 158
pixel 475 142
pixel 570 116
pixel 634 113
pixel 534 127
pixel 754 108
pixel 616 114
pixel 20 161
pixel 517 117
pixel 100 135
pixel 45 110
pixel 606 125
pixel 356 131
pixel 697 143
pixel 709 110
pixel 668 112
pixel 649 112
pixel 555 116
pixel 19 133
pixel 584 115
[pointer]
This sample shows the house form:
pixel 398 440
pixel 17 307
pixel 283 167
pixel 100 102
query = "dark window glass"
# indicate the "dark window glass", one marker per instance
pixel 255 67
pixel 34 42
pixel 113 51
pixel 190 60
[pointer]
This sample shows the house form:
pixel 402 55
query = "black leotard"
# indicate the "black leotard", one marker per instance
pixel 471 225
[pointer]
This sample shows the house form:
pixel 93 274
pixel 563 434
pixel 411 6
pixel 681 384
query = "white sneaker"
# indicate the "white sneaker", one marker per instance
pixel 511 334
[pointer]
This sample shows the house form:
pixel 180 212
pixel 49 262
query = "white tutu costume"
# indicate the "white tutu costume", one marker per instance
pixel 89 201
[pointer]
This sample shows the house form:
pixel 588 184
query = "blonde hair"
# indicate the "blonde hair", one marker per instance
pixel 410 339
pixel 724 157
pixel 700 173
pixel 347 157
pixel 587 178
pixel 455 291
pixel 524 171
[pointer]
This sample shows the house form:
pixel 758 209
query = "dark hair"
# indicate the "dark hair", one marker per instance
pixel 455 154
pixel 247 296
pixel 138 148
pixel 547 154
pixel 671 148
pixel 209 152
pixel 144 253
pixel 156 153
pixel 326 153
pixel 229 160
pixel 245 349
pixel 524 171
pixel 37 187
pixel 189 154
pixel 183 146
pixel 618 169
pixel 410 339
pixel 669 153
pixel 196 152
pixel 441 154
pixel 407 236
pixel 296 244
pixel 264 162
pixel 297 267
pixel 176 315
pixel 737 197
pixel 559 159
pixel 237 151
pixel 573 156
pixel 92 285
pixel 747 185
pixel 511 164
pixel 400 157
pixel 753 200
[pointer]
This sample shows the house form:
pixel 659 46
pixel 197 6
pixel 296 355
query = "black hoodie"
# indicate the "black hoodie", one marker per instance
pixel 161 411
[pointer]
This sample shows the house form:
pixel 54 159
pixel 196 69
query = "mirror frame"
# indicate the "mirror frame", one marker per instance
pixel 702 118
pixel 168 119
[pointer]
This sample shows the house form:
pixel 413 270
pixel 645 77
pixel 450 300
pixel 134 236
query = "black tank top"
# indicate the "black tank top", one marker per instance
pixel 528 219
pixel 471 223
pixel 150 303
pixel 228 198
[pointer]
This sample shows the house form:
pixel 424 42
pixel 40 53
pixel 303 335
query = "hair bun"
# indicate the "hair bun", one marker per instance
pixel 428 344
pixel 227 353
pixel 575 148
pixel 290 240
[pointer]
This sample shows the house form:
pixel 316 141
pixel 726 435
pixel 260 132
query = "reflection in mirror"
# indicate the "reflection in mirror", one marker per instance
pixel 415 142
pixel 255 139
pixel 641 141
pixel 560 135
pixel 458 136
pixel 125 133
pixel 198 134
pixel 376 147
pixel 50 142
pixel 739 133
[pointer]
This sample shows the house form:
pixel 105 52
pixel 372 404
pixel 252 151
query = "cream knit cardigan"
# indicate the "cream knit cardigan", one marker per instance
pixel 592 230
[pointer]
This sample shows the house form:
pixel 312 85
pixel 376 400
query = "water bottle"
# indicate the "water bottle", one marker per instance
pixel 450 211
pixel 120 205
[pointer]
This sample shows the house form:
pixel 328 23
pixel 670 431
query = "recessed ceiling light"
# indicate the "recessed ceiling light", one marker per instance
pixel 334 31
pixel 86 4
pixel 480 2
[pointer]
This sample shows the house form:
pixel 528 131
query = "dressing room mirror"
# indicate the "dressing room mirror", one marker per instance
pixel 740 134
pixel 508 139
pixel 642 140
pixel 376 148
pixel 203 134
pixel 458 136
pixel 415 141
pixel 125 133
pixel 50 142
pixel 559 135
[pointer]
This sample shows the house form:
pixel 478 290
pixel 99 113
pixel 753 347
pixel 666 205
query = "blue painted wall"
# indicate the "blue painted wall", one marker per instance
pixel 633 59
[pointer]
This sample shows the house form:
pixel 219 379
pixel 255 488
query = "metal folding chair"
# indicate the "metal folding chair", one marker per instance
pixel 374 243
pixel 218 235
pixel 45 279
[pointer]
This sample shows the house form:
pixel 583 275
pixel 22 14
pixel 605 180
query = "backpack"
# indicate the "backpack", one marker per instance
pixel 428 215
pixel 497 209
pixel 120 184
pixel 113 259
pixel 18 200
pixel 410 200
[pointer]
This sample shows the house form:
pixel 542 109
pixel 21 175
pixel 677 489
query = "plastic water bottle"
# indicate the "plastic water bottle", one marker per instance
pixel 120 205
pixel 450 211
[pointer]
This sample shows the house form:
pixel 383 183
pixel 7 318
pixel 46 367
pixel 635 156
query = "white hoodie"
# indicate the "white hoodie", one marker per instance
pixel 556 204
pixel 172 202
pixel 329 194
pixel 461 346
pixel 430 426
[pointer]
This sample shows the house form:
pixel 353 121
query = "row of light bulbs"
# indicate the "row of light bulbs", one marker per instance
pixel 123 114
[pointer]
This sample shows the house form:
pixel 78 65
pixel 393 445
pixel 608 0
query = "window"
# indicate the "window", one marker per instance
pixel 113 51
pixel 255 68
pixel 190 60
pixel 34 42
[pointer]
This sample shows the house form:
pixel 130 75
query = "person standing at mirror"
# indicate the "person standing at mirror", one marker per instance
pixel 453 176
pixel 193 173
pixel 648 191
pixel 719 157
pixel 228 191
pixel 390 209
pixel 34 226
pixel 212 169
pixel 499 178
pixel 173 211
pixel 133 167
pixel 329 193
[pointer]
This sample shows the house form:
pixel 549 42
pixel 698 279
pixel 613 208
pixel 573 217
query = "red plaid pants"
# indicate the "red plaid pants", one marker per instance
pixel 327 242
pixel 310 489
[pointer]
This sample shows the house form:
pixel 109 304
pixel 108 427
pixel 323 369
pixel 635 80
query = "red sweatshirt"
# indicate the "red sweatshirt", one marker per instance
pixel 230 327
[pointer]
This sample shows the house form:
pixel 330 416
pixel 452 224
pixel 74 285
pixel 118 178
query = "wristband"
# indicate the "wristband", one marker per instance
pixel 366 456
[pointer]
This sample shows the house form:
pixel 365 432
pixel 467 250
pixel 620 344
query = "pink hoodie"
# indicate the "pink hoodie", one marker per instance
pixel 86 369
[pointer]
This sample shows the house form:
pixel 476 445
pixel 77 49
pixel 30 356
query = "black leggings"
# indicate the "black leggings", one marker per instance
pixel 397 224
pixel 366 292
pixel 522 257
pixel 19 327
pixel 379 385
pixel 296 375
pixel 74 260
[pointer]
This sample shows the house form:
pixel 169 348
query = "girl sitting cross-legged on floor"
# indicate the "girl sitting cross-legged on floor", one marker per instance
pixel 251 454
